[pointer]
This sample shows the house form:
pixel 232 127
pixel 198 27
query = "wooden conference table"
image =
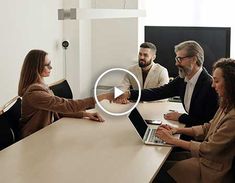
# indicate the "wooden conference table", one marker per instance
pixel 79 150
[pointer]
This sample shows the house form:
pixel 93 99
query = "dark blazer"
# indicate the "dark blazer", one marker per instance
pixel 204 101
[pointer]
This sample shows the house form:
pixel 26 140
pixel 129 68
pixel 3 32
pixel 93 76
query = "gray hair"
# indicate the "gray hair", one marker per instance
pixel 193 49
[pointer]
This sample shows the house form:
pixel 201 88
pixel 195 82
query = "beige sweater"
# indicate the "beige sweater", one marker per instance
pixel 212 158
pixel 40 108
pixel 157 76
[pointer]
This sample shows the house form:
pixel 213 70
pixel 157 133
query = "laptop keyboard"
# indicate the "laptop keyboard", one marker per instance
pixel 153 138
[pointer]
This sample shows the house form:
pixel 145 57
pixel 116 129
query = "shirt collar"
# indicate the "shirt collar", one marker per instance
pixel 194 79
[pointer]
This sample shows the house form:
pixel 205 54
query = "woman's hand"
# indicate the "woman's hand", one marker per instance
pixel 173 115
pixel 93 116
pixel 107 96
pixel 165 135
pixel 171 129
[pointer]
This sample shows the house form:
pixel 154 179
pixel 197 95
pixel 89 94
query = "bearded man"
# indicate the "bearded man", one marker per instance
pixel 148 73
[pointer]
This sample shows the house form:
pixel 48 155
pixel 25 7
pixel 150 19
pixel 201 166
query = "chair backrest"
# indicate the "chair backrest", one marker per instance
pixel 9 123
pixel 62 89
pixel 233 169
pixel 6 133
pixel 13 115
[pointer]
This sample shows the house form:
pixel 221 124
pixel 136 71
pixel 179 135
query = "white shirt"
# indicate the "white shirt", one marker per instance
pixel 189 89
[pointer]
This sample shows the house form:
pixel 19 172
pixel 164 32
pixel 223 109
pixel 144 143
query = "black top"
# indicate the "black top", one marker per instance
pixel 204 101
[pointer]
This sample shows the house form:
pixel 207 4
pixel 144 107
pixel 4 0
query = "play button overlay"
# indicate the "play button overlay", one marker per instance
pixel 117 92
pixel 112 81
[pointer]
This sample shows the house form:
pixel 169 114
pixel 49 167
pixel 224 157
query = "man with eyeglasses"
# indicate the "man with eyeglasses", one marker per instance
pixel 193 85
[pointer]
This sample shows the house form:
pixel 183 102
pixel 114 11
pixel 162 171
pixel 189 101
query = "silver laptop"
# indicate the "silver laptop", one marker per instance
pixel 146 133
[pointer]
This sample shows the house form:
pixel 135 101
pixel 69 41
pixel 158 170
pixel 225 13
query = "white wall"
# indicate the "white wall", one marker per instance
pixel 97 45
pixel 115 4
pixel 27 25
pixel 114 44
pixel 78 32
pixel 206 13
pixel 114 41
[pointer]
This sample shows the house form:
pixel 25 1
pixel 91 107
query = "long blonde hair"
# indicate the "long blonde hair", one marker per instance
pixel 32 68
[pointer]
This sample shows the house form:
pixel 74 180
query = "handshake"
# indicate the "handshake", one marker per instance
pixel 122 99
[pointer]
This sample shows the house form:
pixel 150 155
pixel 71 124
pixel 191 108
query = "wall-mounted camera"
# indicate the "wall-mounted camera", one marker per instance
pixel 65 44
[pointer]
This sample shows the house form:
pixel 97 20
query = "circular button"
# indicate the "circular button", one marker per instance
pixel 111 81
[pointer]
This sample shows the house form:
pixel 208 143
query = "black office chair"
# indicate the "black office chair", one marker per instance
pixel 62 89
pixel 233 168
pixel 9 123
pixel 6 133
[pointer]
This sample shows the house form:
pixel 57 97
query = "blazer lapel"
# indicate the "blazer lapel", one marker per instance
pixel 216 122
pixel 139 76
pixel 197 87
pixel 149 76
pixel 182 92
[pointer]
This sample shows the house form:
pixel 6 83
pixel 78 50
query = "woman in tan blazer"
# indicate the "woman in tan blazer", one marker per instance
pixel 212 157
pixel 39 105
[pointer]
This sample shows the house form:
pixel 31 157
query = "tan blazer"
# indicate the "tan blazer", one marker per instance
pixel 157 76
pixel 40 108
pixel 212 158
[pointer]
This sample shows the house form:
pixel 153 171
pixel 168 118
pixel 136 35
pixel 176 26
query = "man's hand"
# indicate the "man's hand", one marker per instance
pixel 173 115
pixel 123 99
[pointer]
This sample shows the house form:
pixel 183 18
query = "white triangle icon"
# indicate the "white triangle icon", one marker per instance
pixel 117 92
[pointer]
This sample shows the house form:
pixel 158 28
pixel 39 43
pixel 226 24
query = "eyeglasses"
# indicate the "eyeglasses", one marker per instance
pixel 48 65
pixel 180 59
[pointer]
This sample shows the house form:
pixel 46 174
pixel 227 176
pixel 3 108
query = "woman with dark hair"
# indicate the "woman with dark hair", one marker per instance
pixel 212 157
pixel 39 105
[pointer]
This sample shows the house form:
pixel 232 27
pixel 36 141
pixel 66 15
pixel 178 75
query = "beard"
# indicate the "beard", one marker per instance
pixel 143 63
pixel 184 71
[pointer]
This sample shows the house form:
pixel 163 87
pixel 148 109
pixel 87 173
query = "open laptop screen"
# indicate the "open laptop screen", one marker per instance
pixel 138 122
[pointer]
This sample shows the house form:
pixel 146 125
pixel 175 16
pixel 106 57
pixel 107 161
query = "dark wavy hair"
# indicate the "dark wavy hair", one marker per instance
pixel 227 66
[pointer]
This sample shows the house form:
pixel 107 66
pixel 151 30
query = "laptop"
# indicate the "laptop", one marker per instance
pixel 146 133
